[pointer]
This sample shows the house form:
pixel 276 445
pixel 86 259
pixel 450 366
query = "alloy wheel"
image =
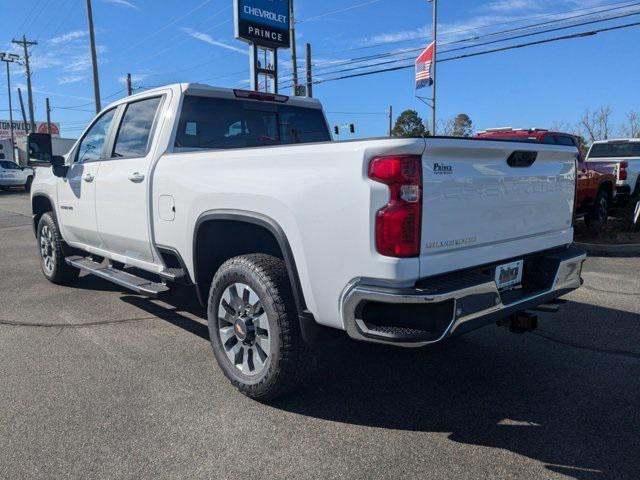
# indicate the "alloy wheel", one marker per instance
pixel 46 249
pixel 244 329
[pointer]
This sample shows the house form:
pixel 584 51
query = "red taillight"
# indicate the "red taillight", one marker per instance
pixel 622 171
pixel 399 222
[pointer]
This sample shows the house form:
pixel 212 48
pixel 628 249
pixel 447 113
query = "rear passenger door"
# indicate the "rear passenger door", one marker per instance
pixel 122 186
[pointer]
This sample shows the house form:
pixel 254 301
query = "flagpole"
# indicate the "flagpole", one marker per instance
pixel 433 65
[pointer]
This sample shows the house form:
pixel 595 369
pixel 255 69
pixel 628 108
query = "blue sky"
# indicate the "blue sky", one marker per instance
pixel 161 42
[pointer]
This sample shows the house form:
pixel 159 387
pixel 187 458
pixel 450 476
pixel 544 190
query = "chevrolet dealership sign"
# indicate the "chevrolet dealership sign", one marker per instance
pixel 263 22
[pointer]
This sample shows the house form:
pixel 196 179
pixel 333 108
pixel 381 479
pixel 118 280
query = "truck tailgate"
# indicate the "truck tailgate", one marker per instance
pixel 479 207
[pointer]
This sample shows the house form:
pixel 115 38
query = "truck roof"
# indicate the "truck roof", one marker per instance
pixel 532 133
pixel 618 140
pixel 203 89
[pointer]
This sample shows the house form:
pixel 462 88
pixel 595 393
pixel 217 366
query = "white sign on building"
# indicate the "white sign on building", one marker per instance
pixel 20 129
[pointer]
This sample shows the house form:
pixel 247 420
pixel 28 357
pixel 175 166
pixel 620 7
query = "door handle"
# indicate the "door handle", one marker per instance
pixel 136 177
pixel 87 177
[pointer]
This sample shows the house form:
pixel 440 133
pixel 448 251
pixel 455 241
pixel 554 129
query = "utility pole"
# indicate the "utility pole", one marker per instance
pixel 294 52
pixel 434 63
pixel 129 86
pixel 390 119
pixel 25 45
pixel 309 73
pixel 10 58
pixel 48 116
pixel 24 116
pixel 94 59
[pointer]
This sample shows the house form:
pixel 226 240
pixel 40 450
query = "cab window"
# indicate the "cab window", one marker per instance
pixel 549 139
pixel 134 134
pixel 563 140
pixel 93 142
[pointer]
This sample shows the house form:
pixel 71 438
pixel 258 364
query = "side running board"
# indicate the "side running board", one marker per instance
pixel 137 284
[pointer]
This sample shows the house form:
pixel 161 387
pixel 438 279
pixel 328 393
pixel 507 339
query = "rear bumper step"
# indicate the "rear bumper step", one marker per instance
pixel 139 285
pixel 439 309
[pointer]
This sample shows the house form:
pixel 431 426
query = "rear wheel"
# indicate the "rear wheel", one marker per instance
pixel 597 217
pixel 27 185
pixel 52 261
pixel 254 327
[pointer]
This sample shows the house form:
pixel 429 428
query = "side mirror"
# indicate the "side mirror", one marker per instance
pixel 40 150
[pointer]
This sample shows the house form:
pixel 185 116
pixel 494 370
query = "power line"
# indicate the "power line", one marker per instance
pixel 486 52
pixel 510 22
pixel 161 29
pixel 406 51
pixel 358 113
pixel 340 10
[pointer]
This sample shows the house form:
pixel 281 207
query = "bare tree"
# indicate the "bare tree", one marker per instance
pixel 446 127
pixel 564 127
pixel 596 125
pixel 632 128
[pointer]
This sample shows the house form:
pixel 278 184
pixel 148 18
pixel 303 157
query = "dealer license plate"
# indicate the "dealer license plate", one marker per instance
pixel 509 275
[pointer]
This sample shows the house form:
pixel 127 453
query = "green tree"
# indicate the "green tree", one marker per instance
pixel 409 124
pixel 462 125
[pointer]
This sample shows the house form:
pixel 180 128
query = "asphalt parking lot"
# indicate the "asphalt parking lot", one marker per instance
pixel 100 383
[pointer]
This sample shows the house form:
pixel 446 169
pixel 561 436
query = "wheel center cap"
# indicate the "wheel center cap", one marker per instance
pixel 240 329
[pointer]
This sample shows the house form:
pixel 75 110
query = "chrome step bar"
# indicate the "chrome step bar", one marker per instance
pixel 139 285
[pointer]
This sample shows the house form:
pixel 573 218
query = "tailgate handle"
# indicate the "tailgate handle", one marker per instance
pixel 521 159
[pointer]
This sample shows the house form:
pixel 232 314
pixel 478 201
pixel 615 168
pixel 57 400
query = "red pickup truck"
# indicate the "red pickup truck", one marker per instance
pixel 596 181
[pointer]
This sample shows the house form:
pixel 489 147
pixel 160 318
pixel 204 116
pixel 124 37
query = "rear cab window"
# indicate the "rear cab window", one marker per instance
pixel 565 140
pixel 221 123
pixel 615 150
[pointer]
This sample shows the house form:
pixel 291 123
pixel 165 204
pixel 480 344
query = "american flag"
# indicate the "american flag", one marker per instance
pixel 423 67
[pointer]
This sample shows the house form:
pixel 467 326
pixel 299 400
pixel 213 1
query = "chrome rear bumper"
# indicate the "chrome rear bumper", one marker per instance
pixel 470 300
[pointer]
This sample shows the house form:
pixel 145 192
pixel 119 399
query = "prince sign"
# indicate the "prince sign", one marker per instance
pixel 263 22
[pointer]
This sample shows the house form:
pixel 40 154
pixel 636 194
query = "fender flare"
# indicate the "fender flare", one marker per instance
pixel 53 209
pixel 274 228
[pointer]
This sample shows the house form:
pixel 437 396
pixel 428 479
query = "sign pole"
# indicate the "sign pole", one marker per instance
pixel 9 59
pixel 294 53
pixel 253 62
pixel 28 128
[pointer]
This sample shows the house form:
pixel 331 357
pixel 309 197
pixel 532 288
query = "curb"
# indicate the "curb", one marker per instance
pixel 600 250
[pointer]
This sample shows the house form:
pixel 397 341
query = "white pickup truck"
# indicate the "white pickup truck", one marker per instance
pixel 624 154
pixel 283 232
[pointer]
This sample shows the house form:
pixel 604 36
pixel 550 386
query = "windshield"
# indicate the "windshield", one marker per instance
pixel 226 123
pixel 611 150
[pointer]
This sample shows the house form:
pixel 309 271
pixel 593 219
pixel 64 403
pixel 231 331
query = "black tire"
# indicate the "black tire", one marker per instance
pixel 56 270
pixel 27 186
pixel 289 360
pixel 597 217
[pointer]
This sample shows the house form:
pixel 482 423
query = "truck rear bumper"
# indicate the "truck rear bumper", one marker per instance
pixel 444 306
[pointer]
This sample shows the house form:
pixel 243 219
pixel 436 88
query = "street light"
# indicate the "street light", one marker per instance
pixel 10 58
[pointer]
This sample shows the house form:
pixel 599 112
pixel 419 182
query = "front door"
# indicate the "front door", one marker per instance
pixel 77 191
pixel 122 187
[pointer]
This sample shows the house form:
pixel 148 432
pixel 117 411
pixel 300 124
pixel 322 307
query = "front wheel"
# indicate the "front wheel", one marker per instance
pixel 597 218
pixel 254 327
pixel 50 242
